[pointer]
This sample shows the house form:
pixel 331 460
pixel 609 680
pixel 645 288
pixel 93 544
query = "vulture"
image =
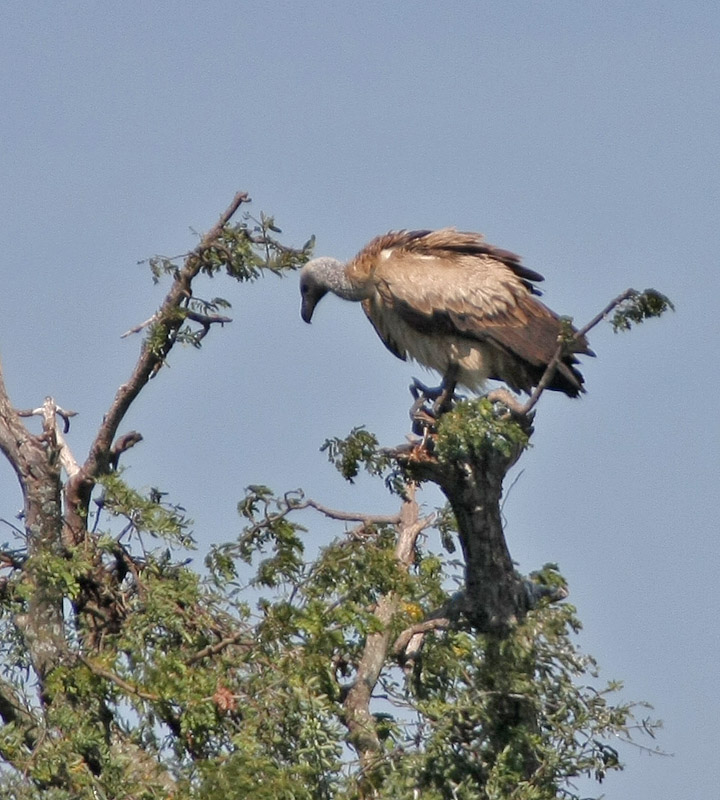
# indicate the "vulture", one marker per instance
pixel 454 303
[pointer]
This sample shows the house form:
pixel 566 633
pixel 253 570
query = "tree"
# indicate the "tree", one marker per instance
pixel 354 673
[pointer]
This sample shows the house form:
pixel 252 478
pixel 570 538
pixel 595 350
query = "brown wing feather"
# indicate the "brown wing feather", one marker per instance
pixel 443 242
pixel 450 282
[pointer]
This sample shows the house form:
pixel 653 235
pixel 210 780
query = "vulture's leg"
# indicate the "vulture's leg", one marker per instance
pixel 424 417
pixel 444 401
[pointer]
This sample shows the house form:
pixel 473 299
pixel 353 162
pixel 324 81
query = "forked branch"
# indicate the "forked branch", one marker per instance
pixel 357 717
pixel 167 321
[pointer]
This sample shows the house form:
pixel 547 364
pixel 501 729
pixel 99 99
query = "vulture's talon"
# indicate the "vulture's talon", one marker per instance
pixel 423 422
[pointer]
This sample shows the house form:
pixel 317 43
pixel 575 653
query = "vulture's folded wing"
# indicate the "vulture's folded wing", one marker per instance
pixel 484 295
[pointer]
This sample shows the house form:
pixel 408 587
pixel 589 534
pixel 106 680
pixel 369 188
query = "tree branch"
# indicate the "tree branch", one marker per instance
pixel 13 710
pixel 349 516
pixel 13 434
pixel 218 647
pixel 151 358
pixel 357 717
pixel 401 645
pixel 563 348
pixel 101 672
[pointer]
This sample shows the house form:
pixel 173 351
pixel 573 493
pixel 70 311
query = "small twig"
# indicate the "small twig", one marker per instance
pixel 563 347
pixel 206 319
pixel 101 672
pixel 17 530
pixel 214 649
pixel 123 443
pixel 621 298
pixel 138 328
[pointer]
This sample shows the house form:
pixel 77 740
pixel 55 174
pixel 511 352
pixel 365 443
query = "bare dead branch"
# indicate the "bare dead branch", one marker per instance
pixel 151 358
pixel 138 328
pixel 67 459
pixel 349 516
pixel 47 410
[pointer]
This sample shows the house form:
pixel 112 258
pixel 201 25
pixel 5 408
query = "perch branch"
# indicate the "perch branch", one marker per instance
pixel 512 402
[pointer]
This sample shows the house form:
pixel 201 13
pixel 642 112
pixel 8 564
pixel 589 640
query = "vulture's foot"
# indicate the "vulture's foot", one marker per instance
pixel 430 404
pixel 420 391
pixel 443 396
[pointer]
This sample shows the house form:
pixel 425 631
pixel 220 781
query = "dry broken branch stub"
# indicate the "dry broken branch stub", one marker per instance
pixel 356 702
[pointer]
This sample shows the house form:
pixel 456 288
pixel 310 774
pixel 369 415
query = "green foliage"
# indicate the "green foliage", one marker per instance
pixel 242 251
pixel 446 525
pixel 567 333
pixel 145 514
pixel 638 308
pixel 234 685
pixel 360 449
pixel 506 718
pixel 476 428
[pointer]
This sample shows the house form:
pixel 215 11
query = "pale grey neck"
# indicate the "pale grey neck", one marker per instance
pixel 331 273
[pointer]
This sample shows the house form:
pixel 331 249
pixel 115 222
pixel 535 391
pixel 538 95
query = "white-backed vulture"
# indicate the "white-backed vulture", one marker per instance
pixel 452 302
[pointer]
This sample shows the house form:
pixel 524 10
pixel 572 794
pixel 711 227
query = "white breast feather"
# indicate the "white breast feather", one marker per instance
pixel 435 352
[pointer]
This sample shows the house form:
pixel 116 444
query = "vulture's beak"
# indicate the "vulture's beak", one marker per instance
pixel 311 296
pixel 307 308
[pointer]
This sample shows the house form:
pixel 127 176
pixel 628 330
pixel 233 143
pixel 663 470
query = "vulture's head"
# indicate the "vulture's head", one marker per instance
pixel 317 278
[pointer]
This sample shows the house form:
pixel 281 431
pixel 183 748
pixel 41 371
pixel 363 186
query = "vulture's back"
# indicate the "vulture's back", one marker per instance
pixel 447 297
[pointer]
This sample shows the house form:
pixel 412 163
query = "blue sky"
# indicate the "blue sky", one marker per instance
pixel 583 136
